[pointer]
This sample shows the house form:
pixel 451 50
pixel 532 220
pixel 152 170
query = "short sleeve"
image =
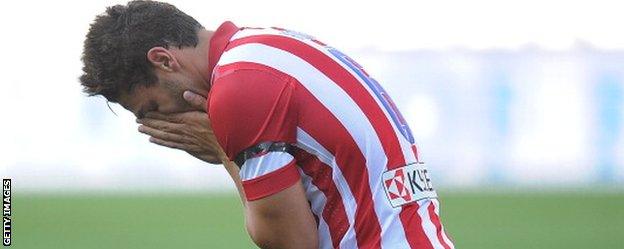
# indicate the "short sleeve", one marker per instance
pixel 248 107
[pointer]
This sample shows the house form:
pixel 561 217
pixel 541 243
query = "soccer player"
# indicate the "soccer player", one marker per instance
pixel 317 149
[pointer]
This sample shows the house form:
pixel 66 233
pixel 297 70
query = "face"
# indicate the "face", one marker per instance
pixel 164 96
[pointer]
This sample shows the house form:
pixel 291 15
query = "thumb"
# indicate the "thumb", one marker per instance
pixel 195 100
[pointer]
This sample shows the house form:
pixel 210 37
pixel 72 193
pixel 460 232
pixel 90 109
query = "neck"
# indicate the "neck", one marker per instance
pixel 199 61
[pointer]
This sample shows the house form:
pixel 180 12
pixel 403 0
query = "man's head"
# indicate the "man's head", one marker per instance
pixel 137 55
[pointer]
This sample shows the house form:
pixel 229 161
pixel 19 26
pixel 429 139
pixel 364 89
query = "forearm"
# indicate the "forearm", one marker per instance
pixel 281 221
pixel 233 170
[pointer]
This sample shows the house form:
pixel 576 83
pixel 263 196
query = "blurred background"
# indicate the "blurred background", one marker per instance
pixel 516 106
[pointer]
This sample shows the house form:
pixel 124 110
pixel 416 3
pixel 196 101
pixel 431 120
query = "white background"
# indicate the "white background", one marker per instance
pixel 53 137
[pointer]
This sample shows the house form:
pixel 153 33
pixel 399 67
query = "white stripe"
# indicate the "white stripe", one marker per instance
pixel 307 143
pixel 251 32
pixel 444 237
pixel 347 112
pixel 427 225
pixel 262 165
pixel 406 146
pixel 317 200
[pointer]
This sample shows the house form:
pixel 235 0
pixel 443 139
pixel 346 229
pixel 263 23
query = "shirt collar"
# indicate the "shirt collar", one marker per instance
pixel 218 42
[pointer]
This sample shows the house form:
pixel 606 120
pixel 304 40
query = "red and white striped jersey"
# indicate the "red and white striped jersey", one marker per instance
pixel 353 151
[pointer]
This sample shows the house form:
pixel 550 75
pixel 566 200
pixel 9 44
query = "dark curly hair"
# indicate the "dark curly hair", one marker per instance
pixel 115 49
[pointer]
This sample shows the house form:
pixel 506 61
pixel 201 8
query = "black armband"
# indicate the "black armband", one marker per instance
pixel 261 149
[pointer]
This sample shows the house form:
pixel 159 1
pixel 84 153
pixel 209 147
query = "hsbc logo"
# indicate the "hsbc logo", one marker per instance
pixel 408 184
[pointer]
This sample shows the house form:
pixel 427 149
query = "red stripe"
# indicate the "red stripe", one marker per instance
pixel 345 80
pixel 271 183
pixel 436 221
pixel 412 223
pixel 415 151
pixel 322 125
pixel 334 212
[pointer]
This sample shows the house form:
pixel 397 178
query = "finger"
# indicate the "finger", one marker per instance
pixel 195 100
pixel 162 125
pixel 174 145
pixel 172 117
pixel 206 157
pixel 172 137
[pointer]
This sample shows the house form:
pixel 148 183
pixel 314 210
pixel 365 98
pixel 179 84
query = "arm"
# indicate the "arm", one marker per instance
pixel 281 220
pixel 252 108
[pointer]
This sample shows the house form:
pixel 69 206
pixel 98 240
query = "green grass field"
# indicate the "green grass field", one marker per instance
pixel 483 221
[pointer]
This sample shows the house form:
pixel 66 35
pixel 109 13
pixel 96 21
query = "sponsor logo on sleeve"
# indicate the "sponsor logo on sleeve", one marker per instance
pixel 408 184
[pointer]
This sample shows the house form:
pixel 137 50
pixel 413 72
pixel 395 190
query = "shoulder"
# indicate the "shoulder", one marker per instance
pixel 247 106
pixel 247 73
pixel 248 84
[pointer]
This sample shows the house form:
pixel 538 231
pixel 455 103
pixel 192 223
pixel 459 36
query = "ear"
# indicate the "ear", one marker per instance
pixel 161 58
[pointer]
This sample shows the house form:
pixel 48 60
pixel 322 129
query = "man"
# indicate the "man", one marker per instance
pixel 318 151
